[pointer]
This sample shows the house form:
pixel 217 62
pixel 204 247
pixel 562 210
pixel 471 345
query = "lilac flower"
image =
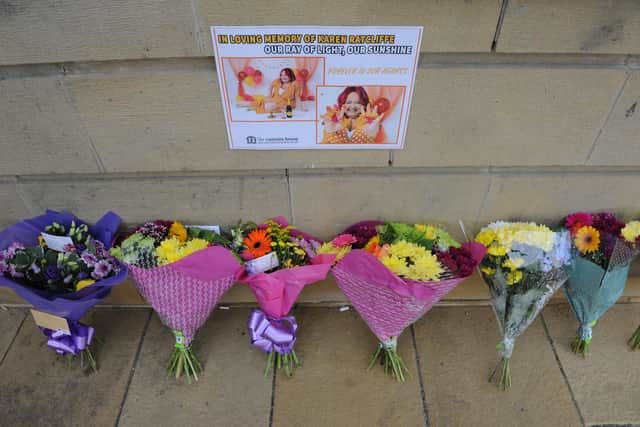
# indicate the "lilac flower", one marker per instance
pixel 101 270
pixel 13 248
pixel 89 258
pixel 101 251
pixel 3 266
pixel 15 273
pixel 52 272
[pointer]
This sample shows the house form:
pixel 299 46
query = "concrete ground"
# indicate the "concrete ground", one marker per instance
pixel 450 353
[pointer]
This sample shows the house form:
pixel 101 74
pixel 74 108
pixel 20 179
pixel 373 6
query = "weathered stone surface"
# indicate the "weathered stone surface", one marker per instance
pixel 571 27
pixel 605 383
pixel 37 387
pixel 232 389
pixel 333 387
pixel 456 346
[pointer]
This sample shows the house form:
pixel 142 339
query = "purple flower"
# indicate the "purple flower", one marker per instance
pixel 606 222
pixel 89 258
pixel 15 273
pixel 69 248
pixel 101 251
pixel 80 247
pixel 3 266
pixel 52 272
pixel 68 279
pixel 13 248
pixel 83 275
pixel 101 270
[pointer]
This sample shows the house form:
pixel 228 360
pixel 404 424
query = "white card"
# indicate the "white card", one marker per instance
pixel 49 321
pixel 264 263
pixel 214 228
pixel 57 243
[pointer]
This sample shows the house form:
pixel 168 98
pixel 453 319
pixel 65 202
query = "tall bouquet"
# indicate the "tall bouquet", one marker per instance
pixel 399 274
pixel 603 248
pixel 61 265
pixel 279 262
pixel 182 272
pixel 524 266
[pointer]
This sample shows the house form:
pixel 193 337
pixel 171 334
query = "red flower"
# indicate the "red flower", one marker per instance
pixel 577 220
pixel 606 222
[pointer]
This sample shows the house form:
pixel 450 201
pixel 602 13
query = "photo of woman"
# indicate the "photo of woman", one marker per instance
pixel 355 117
pixel 283 92
pixel 272 89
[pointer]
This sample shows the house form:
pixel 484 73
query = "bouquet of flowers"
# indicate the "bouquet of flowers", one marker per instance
pixel 525 265
pixel 400 273
pixel 604 247
pixel 279 262
pixel 61 265
pixel 182 272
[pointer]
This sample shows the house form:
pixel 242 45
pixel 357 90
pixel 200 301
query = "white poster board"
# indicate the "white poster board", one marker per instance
pixel 316 87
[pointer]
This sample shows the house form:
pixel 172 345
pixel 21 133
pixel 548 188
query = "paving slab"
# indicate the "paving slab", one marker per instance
pixel 10 319
pixel 232 390
pixel 333 387
pixel 457 352
pixel 606 384
pixel 37 387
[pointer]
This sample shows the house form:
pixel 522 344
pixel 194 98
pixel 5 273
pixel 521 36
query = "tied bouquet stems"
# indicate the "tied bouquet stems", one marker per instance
pixel 61 265
pixel 634 341
pixel 603 247
pixel 182 272
pixel 279 261
pixel 394 273
pixel 525 265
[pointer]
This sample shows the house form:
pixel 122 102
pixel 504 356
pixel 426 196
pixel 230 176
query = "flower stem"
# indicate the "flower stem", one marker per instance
pixel 287 361
pixel 634 341
pixel 184 361
pixel 580 346
pixel 502 374
pixel 391 362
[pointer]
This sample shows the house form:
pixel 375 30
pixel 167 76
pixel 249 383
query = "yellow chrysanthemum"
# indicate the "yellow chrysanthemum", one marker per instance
pixel 178 231
pixel 489 271
pixel 496 250
pixel 486 237
pixel 404 249
pixel 426 268
pixel 514 277
pixel 84 283
pixel 631 231
pixel 428 230
pixel 395 264
pixel 194 245
pixel 513 264
pixel 171 250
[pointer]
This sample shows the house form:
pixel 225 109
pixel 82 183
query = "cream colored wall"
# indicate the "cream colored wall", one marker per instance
pixel 115 105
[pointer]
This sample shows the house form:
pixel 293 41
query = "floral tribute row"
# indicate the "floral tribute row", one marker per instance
pixel 391 272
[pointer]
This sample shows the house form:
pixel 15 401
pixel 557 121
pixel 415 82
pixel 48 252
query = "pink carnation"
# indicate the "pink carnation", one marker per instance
pixel 343 240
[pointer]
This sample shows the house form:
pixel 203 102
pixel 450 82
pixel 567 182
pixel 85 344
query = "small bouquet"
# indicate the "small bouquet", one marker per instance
pixel 182 272
pixel 603 248
pixel 401 272
pixel 525 265
pixel 279 262
pixel 61 265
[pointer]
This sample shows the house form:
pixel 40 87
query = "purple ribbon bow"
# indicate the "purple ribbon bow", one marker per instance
pixel 63 343
pixel 268 333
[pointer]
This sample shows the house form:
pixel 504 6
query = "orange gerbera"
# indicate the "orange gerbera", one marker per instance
pixel 258 243
pixel 587 239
